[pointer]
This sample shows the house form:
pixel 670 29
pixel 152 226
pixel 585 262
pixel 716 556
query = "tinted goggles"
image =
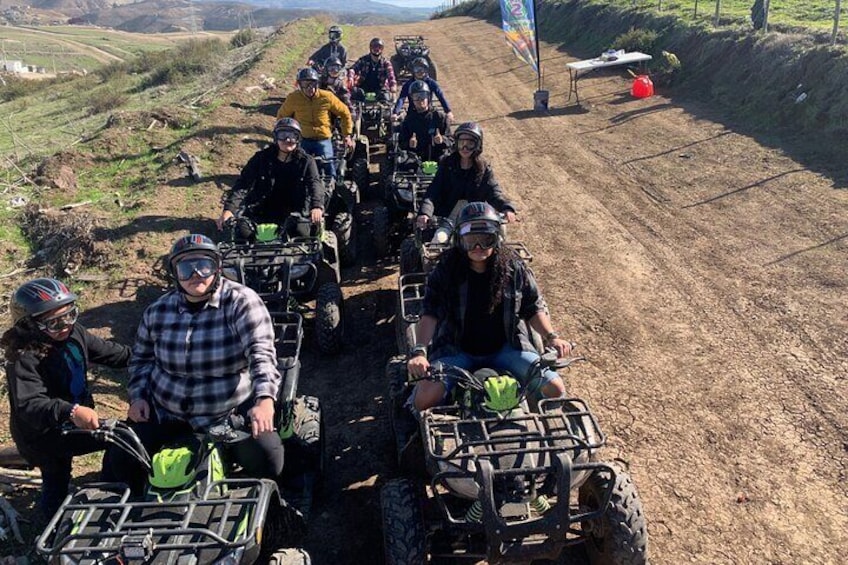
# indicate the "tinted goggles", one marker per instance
pixel 419 96
pixel 483 240
pixel 308 84
pixel 467 143
pixel 201 266
pixel 334 69
pixel 59 322
pixel 287 136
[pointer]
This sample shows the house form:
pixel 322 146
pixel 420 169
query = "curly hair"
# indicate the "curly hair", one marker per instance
pixel 478 163
pixel 24 337
pixel 499 264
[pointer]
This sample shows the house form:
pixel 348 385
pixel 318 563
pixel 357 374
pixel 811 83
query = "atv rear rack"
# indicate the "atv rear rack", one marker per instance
pixel 411 293
pixel 96 524
pixel 275 269
pixel 288 336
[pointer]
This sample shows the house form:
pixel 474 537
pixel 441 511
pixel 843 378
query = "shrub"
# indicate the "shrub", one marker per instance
pixel 643 40
pixel 104 100
pixel 243 37
pixel 180 64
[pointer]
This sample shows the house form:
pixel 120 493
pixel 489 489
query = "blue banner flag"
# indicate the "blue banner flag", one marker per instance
pixel 519 25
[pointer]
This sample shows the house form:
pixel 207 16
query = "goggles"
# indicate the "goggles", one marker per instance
pixel 419 96
pixel 307 84
pixel 467 143
pixel 334 69
pixel 59 322
pixel 287 136
pixel 421 70
pixel 484 240
pixel 201 266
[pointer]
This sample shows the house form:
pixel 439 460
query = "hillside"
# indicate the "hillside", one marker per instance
pixel 697 260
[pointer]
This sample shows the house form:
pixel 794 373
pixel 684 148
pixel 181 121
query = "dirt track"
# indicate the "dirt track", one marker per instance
pixel 702 273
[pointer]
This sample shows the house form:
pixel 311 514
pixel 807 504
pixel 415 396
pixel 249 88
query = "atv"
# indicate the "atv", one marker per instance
pixel 342 199
pixel 289 266
pixel 407 49
pixel 405 184
pixel 508 480
pixel 197 507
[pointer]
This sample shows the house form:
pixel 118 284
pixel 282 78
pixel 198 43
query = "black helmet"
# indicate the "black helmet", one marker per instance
pixel 307 73
pixel 287 124
pixel 332 61
pixel 419 86
pixel 420 63
pixel 335 33
pixel 38 296
pixel 193 243
pixel 470 128
pixel 375 42
pixel 477 217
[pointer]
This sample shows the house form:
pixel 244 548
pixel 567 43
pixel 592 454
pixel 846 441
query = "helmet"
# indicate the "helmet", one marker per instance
pixel 332 61
pixel 335 33
pixel 477 217
pixel 376 42
pixel 38 296
pixel 307 73
pixel 419 86
pixel 192 243
pixel 420 63
pixel 470 128
pixel 287 124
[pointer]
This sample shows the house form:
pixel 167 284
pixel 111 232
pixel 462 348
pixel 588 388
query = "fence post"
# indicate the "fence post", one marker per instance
pixel 717 13
pixel 696 10
pixel 836 13
pixel 766 4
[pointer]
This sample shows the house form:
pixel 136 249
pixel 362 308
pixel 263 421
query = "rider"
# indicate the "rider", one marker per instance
pixel 474 302
pixel 374 73
pixel 464 175
pixel 333 48
pixel 47 355
pixel 276 182
pixel 203 351
pixel 424 130
pixel 421 71
pixel 333 80
pixel 314 109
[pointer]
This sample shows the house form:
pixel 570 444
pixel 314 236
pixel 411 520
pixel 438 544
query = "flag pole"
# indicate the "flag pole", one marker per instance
pixel 538 57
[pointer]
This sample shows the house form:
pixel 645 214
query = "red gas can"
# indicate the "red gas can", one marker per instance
pixel 642 87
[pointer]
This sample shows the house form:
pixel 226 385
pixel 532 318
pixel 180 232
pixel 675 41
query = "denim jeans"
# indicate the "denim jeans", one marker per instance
pixel 321 148
pixel 516 361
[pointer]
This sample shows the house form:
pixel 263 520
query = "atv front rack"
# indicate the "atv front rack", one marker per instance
pixel 411 296
pixel 101 524
pixel 288 336
pixel 276 270
pixel 550 452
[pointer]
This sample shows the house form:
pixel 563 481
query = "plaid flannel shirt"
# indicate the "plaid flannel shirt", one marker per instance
pixel 199 366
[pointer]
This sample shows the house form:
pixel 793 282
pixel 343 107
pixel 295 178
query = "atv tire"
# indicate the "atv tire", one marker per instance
pixel 433 74
pixel 329 318
pixel 309 434
pixel 381 230
pixel 290 557
pixel 404 539
pixel 619 536
pixel 360 174
pixel 399 67
pixel 410 257
pixel 345 230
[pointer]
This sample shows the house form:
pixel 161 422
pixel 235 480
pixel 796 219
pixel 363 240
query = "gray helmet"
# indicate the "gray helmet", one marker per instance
pixel 307 73
pixel 332 61
pixel 287 124
pixel 470 128
pixel 193 243
pixel 38 296
pixel 420 63
pixel 375 42
pixel 478 217
pixel 335 34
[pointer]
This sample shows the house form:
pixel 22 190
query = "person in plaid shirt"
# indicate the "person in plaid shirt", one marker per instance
pixel 203 351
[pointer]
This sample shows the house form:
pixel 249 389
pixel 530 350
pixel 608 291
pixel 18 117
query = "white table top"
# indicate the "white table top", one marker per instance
pixel 632 57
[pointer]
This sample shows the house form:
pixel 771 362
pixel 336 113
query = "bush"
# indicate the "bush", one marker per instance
pixel 104 100
pixel 180 64
pixel 112 70
pixel 643 40
pixel 243 37
pixel 17 87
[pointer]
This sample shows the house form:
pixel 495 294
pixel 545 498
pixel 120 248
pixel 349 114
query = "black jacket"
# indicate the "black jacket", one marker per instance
pixel 446 299
pixel 40 394
pixel 452 184
pixel 328 50
pixel 258 192
pixel 424 126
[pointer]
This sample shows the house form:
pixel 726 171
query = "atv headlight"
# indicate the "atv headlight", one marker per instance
pixel 232 558
pixel 297 271
pixel 405 194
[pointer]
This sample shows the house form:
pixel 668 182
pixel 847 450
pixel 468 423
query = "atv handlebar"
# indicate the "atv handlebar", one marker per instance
pixel 118 433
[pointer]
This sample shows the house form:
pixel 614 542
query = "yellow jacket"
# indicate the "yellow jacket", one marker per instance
pixel 314 114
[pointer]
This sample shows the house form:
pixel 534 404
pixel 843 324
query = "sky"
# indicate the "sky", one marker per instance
pixel 413 3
